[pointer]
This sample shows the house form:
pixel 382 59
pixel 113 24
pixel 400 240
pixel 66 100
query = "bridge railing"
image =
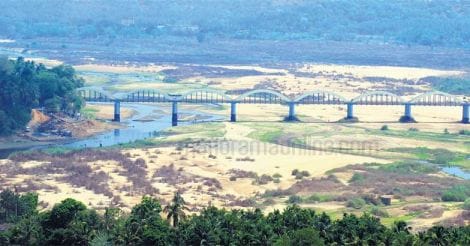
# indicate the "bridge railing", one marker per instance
pixel 378 98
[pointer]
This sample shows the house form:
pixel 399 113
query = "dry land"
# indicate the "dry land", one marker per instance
pixel 262 161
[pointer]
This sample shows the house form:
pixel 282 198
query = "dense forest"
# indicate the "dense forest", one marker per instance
pixel 421 22
pixel 25 85
pixel 72 223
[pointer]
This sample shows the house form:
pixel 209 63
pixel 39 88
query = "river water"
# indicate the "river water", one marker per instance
pixel 148 121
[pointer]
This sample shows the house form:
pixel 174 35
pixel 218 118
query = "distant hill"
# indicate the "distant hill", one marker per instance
pixel 436 23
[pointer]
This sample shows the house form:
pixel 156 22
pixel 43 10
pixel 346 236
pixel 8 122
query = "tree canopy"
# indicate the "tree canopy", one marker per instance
pixel 25 85
pixel 72 223
pixel 423 22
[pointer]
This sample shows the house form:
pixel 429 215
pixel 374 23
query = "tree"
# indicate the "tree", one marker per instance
pixel 302 237
pixel 175 210
pixel 145 225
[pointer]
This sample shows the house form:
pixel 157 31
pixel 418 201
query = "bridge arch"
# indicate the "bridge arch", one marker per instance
pixel 144 95
pixel 94 94
pixel 436 98
pixel 320 97
pixel 378 98
pixel 262 96
pixel 205 96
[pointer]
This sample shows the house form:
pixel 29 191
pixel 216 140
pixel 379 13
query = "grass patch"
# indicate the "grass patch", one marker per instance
pixel 88 113
pixel 437 156
pixel 457 193
pixel 391 220
pixel 409 167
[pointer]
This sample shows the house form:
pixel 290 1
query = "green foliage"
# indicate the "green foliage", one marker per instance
pixel 435 23
pixel 302 237
pixel 453 85
pixel 356 203
pixel 437 156
pixel 464 132
pixel 14 206
pixel 300 174
pixel 294 199
pixel 71 223
pixel 24 85
pixel 384 128
pixel 409 167
pixel 175 209
pixel 379 212
pixel 466 204
pixel 457 193
pixel 357 178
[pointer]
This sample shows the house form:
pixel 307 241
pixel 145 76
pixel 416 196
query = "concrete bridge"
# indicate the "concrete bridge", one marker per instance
pixel 208 96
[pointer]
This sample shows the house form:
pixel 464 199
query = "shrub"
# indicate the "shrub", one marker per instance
pixel 357 178
pixel 305 173
pixel 233 178
pixel 464 132
pixel 384 128
pixel 379 212
pixel 299 176
pixel 356 203
pixel 446 131
pixel 413 129
pixel 457 193
pixel 466 204
pixel 277 175
pixel 294 199
pixel 314 198
pixel 264 179
pixel 295 172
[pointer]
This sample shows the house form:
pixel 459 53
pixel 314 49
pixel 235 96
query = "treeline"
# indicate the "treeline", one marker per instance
pixel 25 85
pixel 72 223
pixel 431 23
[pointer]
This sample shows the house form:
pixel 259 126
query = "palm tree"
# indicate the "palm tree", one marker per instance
pixel 175 209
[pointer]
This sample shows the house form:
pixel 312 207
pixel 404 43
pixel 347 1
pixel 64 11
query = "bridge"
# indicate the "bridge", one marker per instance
pixel 320 97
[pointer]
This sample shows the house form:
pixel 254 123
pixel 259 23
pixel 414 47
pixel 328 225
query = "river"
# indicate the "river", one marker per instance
pixel 147 121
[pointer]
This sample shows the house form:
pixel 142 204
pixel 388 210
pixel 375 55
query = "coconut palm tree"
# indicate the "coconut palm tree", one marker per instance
pixel 175 210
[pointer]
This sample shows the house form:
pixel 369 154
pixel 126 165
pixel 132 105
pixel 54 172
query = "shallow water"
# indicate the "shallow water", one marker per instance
pixel 137 130
pixel 457 171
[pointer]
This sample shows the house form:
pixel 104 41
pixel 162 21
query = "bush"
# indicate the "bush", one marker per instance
pixel 277 175
pixel 413 129
pixel 300 174
pixel 305 173
pixel 464 132
pixel 295 172
pixel 356 203
pixel 466 204
pixel 457 193
pixel 379 212
pixel 357 178
pixel 384 128
pixel 294 199
pixel 314 198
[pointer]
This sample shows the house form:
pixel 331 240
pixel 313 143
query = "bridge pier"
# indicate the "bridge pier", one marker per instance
pixel 117 111
pixel 174 114
pixel 350 113
pixel 233 112
pixel 350 109
pixel 407 117
pixel 291 116
pixel 466 113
